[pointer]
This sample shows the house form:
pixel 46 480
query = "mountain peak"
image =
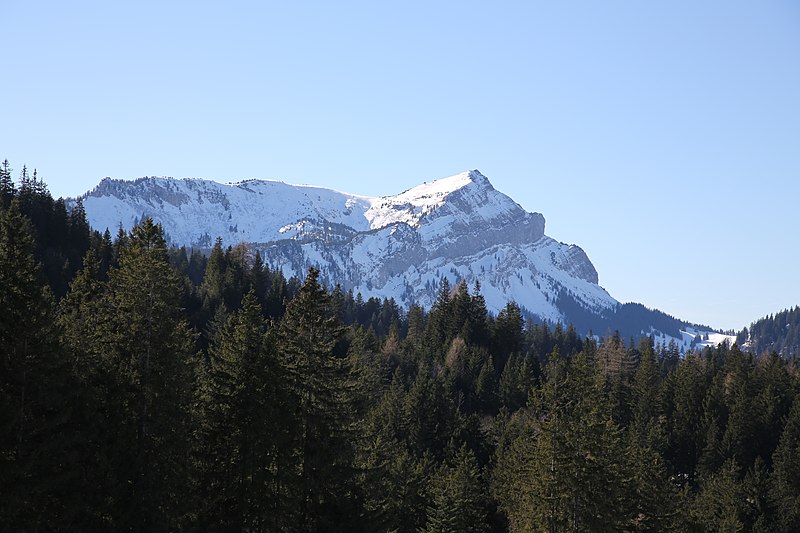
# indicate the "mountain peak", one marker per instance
pixel 412 205
pixel 442 187
pixel 476 177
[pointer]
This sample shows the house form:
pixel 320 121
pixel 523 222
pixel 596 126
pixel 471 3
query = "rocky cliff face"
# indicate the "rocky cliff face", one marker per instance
pixel 399 246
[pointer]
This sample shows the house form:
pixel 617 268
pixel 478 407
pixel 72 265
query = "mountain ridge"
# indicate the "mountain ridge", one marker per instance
pixel 398 246
pixel 460 217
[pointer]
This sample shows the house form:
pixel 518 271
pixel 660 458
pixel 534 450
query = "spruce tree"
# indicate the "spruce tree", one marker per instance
pixel 146 346
pixel 34 390
pixel 570 474
pixel 238 442
pixel 786 473
pixel 320 392
pixel 486 388
pixel 259 279
pixel 646 395
pixel 652 498
pixel 78 229
pixel 508 333
pixel 457 497
pixel 720 504
pixel 430 415
pixel 80 314
pixel 7 189
pixel 687 389
pixel 212 288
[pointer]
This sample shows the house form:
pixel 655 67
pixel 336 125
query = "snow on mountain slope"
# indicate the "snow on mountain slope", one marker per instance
pixel 195 212
pixel 400 246
pixel 412 205
pixel 393 263
pixel 691 338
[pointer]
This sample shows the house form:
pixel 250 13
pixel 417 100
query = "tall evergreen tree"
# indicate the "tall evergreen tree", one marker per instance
pixel 786 473
pixel 213 286
pixel 653 499
pixel 486 388
pixel 508 333
pixel 146 345
pixel 7 189
pixel 321 403
pixel 687 389
pixel 238 438
pixel 34 385
pixel 566 472
pixel 457 502
pixel 79 228
pixel 647 410
pixel 80 314
pixel 720 504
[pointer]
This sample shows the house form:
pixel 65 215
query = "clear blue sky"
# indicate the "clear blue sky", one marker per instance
pixel 663 138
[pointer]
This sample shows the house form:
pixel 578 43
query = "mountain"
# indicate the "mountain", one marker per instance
pixel 401 246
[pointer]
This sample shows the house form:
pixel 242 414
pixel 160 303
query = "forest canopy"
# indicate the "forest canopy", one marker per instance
pixel 152 388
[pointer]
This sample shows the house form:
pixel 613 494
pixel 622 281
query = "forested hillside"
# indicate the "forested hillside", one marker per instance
pixel 778 333
pixel 147 388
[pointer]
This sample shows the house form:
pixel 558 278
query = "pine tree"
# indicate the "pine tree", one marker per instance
pixel 437 327
pixel 240 406
pixel 78 233
pixel 739 437
pixel 477 318
pixel 566 473
pixel 486 388
pixel 617 365
pixel 7 189
pixel 720 504
pixel 259 279
pixel 513 469
pixel 237 276
pixel 25 191
pixel 120 242
pixel 146 346
pixel 395 482
pixel 646 394
pixel 652 498
pixel 772 404
pixel 786 474
pixel 508 333
pixel 516 381
pixel 760 510
pixel 430 415
pixel 213 286
pixel 396 485
pixel 321 400
pixel 80 314
pixel 105 253
pixel 276 298
pixel 687 389
pixel 34 385
pixel 457 497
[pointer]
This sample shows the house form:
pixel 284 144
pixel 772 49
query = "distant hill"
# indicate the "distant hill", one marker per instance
pixel 778 333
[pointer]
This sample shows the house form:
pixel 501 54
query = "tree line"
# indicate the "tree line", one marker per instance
pixel 778 333
pixel 150 388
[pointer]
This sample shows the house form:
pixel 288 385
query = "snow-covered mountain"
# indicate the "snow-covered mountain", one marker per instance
pixel 400 246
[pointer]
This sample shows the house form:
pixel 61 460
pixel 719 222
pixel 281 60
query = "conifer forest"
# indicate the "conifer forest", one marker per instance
pixel 151 388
